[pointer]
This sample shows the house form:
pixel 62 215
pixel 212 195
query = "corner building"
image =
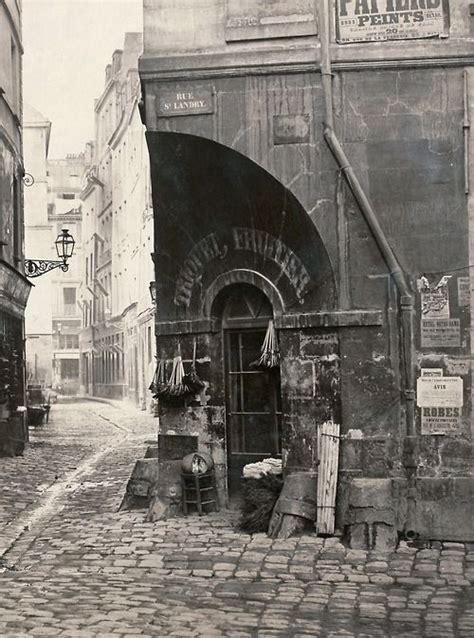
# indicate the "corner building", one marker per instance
pixel 14 287
pixel 312 164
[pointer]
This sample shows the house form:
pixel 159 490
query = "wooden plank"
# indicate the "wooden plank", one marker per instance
pixel 328 453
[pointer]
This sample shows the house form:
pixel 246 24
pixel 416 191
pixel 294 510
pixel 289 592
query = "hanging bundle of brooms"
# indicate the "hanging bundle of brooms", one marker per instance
pixel 270 357
pixel 179 384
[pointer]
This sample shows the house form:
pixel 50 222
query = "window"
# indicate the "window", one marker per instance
pixel 68 342
pixel 69 295
pixel 17 223
pixel 149 344
pixel 15 76
pixel 70 368
pixel 68 196
pixel 69 302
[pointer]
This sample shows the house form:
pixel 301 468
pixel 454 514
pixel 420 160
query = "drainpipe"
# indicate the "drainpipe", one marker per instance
pixel 407 302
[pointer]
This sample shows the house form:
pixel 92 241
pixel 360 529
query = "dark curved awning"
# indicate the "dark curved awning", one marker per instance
pixel 217 211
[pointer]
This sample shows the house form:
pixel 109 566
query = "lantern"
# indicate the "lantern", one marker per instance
pixel 65 244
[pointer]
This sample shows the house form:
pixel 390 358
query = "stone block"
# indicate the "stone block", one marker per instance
pixel 173 447
pixel 151 452
pixel 138 488
pixel 371 516
pixel 385 537
pixel 444 508
pixel 146 470
pixel 358 536
pixel 373 536
pixel 372 493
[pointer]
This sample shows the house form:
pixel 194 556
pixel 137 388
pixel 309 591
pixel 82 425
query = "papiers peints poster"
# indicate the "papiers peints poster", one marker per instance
pixel 378 20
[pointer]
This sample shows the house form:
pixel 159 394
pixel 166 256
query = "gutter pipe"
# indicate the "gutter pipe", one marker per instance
pixel 407 301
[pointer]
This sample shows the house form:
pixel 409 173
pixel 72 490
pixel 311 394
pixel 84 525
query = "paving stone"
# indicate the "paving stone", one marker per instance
pixel 92 570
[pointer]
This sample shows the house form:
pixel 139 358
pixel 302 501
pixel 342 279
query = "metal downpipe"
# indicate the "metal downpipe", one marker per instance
pixel 407 303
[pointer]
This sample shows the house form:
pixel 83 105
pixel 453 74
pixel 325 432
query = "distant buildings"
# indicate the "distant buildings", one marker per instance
pixel 117 340
pixel 14 288
pixel 53 317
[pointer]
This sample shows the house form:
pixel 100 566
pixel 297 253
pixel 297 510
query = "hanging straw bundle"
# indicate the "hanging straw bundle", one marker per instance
pixel 158 386
pixel 270 357
pixel 177 387
pixel 192 380
pixel 179 384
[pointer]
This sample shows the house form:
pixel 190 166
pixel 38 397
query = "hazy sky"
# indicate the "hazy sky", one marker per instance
pixel 67 45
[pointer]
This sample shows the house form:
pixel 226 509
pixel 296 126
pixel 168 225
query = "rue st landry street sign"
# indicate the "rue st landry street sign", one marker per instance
pixel 378 20
pixel 185 102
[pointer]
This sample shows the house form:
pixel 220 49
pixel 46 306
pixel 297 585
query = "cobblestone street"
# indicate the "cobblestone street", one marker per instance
pixel 72 565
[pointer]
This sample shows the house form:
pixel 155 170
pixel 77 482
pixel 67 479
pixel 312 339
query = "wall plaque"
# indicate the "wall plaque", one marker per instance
pixel 440 420
pixel 254 19
pixel 185 102
pixel 440 333
pixel 443 392
pixel 291 129
pixel 376 20
pixel 464 291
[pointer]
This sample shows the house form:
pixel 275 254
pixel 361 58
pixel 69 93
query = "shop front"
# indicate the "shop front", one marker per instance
pixel 233 261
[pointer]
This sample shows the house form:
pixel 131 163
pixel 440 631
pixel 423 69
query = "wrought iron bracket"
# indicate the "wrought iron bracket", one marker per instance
pixel 38 267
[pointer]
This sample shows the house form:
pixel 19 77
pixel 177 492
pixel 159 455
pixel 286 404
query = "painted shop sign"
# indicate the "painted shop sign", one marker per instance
pixel 254 19
pixel 243 239
pixel 440 420
pixel 193 102
pixel 442 392
pixel 440 333
pixel 464 291
pixel 376 20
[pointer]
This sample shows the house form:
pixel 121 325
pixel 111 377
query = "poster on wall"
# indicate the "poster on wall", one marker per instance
pixel 253 19
pixel 379 20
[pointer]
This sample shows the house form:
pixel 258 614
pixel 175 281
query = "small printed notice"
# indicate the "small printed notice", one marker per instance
pixel 442 392
pixel 440 420
pixel 254 19
pixel 194 102
pixel 376 20
pixel 440 333
pixel 464 291
pixel 431 372
pixel 435 303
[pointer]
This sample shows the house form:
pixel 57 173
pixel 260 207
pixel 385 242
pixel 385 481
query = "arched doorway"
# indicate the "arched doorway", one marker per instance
pixel 253 395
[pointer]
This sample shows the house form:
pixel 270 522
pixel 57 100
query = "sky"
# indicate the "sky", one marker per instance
pixel 68 44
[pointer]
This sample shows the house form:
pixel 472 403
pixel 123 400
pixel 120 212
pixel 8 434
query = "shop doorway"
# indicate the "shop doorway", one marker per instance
pixel 253 395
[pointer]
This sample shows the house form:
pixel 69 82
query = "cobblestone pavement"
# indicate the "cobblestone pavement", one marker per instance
pixel 81 568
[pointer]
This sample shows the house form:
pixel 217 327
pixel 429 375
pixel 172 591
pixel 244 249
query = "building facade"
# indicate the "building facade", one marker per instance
pixel 117 342
pixel 14 288
pixel 38 243
pixel 53 317
pixel 313 166
pixel 65 211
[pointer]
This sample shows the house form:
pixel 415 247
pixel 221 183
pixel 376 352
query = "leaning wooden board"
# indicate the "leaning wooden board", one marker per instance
pixel 328 454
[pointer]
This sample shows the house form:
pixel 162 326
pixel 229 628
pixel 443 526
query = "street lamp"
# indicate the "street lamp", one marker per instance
pixel 64 247
pixel 152 288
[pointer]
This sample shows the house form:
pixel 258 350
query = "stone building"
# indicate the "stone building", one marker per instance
pixel 117 341
pixel 311 164
pixel 39 243
pixel 53 317
pixel 14 288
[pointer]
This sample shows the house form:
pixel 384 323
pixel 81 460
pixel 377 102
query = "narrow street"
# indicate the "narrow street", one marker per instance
pixel 73 565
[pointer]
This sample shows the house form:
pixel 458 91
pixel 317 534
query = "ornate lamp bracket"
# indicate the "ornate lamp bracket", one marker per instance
pixel 37 267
